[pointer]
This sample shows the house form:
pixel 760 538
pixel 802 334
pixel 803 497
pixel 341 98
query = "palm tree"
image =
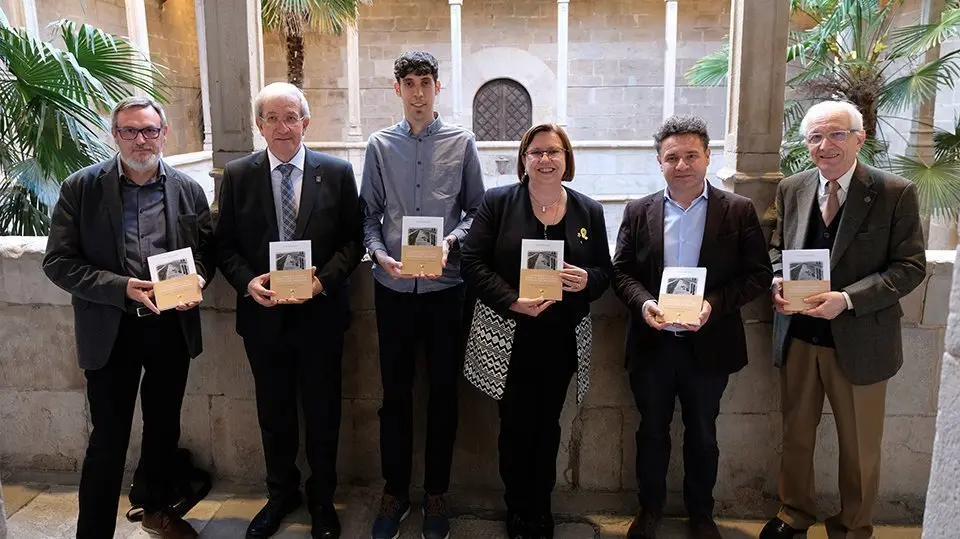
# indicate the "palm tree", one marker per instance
pixel 851 50
pixel 292 17
pixel 51 102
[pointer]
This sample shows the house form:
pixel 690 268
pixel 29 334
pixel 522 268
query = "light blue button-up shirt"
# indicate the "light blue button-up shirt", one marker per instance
pixel 683 230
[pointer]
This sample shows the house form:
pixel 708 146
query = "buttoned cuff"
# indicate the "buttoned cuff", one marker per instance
pixel 846 298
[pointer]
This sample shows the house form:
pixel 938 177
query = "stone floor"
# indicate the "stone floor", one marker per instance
pixel 41 510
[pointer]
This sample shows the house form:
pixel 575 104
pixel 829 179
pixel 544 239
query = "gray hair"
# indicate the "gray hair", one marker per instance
pixel 137 102
pixel 275 89
pixel 824 108
pixel 681 125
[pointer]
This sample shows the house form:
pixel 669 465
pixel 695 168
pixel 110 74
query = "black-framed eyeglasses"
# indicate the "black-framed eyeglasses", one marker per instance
pixel 131 133
pixel 835 136
pixel 553 153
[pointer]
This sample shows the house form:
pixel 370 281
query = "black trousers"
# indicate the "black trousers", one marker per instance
pixel 673 372
pixel 542 362
pixel 305 359
pixel 153 346
pixel 405 320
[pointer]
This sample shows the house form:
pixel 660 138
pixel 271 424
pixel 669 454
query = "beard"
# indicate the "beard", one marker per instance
pixel 141 165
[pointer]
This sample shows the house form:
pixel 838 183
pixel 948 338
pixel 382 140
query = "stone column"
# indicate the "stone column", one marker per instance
pixel 3 516
pixel 354 131
pixel 137 30
pixel 235 68
pixel 563 32
pixel 23 13
pixel 204 74
pixel 940 518
pixel 751 157
pixel 456 59
pixel 670 60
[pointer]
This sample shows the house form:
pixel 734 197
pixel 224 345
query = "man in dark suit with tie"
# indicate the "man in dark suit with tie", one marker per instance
pixel 689 224
pixel 289 193
pixel 110 217
pixel 846 344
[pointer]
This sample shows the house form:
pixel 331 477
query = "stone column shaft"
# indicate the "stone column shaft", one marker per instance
pixel 563 32
pixel 23 13
pixel 354 130
pixel 456 57
pixel 758 43
pixel 137 30
pixel 235 68
pixel 204 73
pixel 670 60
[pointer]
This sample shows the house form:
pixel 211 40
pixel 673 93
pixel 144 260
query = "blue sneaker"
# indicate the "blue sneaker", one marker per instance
pixel 436 524
pixel 392 512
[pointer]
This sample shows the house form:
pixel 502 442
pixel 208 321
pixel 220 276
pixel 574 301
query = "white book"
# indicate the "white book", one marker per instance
pixel 422 231
pixel 683 281
pixel 171 264
pixel 290 255
pixel 806 265
pixel 541 254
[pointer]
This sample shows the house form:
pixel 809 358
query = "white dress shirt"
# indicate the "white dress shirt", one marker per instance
pixel 276 179
pixel 823 195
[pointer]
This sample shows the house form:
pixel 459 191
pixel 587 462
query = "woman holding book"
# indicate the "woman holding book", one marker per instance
pixel 550 339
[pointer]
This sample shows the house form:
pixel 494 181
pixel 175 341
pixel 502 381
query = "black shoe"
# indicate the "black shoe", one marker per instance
pixel 703 527
pixel 325 524
pixel 645 525
pixel 778 529
pixel 268 520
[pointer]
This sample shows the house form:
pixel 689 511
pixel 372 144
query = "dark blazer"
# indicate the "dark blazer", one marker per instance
pixel 491 255
pixel 329 216
pixel 738 271
pixel 85 253
pixel 877 258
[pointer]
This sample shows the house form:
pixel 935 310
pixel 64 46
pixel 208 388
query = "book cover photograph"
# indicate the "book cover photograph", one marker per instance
pixel 540 265
pixel 175 279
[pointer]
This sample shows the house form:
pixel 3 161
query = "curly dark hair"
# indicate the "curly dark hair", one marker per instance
pixel 416 62
pixel 681 125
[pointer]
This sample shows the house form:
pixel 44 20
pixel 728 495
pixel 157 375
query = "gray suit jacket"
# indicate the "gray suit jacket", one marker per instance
pixel 877 258
pixel 85 253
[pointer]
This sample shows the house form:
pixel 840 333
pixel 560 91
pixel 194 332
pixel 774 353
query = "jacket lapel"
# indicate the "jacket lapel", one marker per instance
pixel 716 212
pixel 308 192
pixel 171 198
pixel 861 197
pixel 805 197
pixel 110 180
pixel 655 229
pixel 265 185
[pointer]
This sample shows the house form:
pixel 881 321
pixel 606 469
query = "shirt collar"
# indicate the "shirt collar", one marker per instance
pixel 843 180
pixel 429 130
pixel 703 195
pixel 296 161
pixel 161 175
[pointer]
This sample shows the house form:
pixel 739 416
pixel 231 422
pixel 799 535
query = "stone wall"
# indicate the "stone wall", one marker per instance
pixel 45 423
pixel 615 49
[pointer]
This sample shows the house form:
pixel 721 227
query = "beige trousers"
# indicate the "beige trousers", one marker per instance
pixel 810 373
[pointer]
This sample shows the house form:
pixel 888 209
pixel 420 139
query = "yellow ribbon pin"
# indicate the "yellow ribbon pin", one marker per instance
pixel 583 233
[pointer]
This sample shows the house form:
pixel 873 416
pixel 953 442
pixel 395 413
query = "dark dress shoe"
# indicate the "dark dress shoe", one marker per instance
pixel 778 529
pixel 645 525
pixel 703 527
pixel 268 520
pixel 325 524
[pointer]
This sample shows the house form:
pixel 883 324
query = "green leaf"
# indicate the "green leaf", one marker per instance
pixel 938 184
pixel 947 143
pixel 711 70
pixel 292 17
pixel 917 39
pixel 920 85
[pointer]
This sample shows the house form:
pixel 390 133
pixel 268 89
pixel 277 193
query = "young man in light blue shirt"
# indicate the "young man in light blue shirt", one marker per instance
pixel 419 167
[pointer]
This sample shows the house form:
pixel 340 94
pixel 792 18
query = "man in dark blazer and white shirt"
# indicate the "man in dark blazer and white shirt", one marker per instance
pixel 846 343
pixel 689 224
pixel 291 193
pixel 110 217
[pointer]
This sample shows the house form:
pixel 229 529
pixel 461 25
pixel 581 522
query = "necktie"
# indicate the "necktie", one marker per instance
pixel 288 212
pixel 833 202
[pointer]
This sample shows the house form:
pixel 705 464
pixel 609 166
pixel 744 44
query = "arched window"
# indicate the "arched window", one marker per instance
pixel 501 111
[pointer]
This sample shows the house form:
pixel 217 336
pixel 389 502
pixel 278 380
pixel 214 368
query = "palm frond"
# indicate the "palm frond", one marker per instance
pixel 938 184
pixel 293 17
pixel 946 144
pixel 711 70
pixel 21 212
pixel 914 40
pixel 921 84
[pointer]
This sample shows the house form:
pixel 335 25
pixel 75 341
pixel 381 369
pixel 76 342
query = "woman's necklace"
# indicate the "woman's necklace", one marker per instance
pixel 544 207
pixel 547 226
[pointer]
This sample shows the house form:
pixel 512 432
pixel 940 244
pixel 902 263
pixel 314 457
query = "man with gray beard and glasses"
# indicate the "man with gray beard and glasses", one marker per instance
pixel 110 217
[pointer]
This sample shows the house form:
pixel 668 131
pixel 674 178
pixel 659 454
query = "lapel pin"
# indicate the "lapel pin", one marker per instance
pixel 866 199
pixel 317 179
